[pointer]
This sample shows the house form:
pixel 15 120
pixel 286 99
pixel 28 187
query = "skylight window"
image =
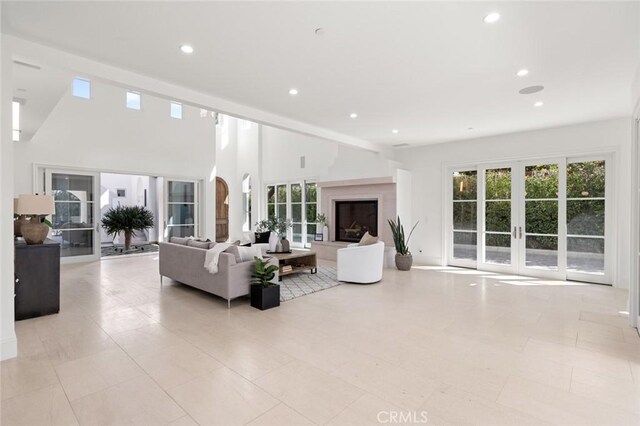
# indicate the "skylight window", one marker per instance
pixel 176 110
pixel 133 100
pixel 16 120
pixel 81 88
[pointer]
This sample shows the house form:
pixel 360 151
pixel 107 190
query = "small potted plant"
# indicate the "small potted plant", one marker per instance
pixel 264 293
pixel 404 259
pixel 321 219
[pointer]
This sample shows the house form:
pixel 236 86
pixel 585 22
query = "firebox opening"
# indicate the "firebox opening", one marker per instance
pixel 355 218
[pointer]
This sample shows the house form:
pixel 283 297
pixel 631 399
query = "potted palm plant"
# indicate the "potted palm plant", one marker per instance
pixel 404 259
pixel 264 293
pixel 128 220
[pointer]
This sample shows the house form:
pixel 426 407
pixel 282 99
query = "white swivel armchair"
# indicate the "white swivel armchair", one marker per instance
pixel 361 264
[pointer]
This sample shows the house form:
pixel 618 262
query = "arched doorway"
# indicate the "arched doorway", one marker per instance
pixel 222 210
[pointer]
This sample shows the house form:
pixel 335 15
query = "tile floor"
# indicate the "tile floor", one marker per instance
pixel 443 345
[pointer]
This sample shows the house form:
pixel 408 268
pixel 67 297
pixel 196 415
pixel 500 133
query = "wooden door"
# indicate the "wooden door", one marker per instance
pixel 222 210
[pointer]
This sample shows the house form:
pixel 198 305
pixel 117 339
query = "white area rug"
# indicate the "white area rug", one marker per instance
pixel 304 283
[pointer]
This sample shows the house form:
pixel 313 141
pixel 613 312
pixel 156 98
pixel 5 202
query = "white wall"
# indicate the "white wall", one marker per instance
pixel 237 154
pixel 427 163
pixel 8 340
pixel 324 160
pixel 102 134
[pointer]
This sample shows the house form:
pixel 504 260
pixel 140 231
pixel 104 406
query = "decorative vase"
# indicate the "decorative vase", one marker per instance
pixel 286 246
pixel 34 232
pixel 279 247
pixel 404 262
pixel 325 233
pixel 273 242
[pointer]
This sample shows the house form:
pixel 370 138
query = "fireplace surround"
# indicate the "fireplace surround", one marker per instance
pixel 354 218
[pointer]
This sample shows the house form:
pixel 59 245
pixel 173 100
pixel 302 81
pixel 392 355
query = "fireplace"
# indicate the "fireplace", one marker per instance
pixel 354 218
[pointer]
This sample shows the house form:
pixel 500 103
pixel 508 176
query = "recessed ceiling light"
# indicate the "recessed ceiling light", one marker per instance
pixel 293 91
pixel 353 115
pixel 522 73
pixel 394 131
pixel 491 18
pixel 538 104
pixel 186 48
pixel 319 31
pixel 469 128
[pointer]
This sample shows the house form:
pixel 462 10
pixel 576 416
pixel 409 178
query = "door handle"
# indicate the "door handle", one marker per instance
pixel 520 231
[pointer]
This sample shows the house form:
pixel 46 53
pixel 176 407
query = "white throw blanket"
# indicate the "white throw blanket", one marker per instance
pixel 213 255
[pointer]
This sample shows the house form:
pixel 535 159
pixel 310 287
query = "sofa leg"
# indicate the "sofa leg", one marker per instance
pixel 161 281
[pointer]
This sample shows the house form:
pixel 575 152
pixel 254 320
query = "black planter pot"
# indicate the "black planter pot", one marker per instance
pixel 265 297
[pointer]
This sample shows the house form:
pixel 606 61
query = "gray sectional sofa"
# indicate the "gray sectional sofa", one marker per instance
pixel 182 260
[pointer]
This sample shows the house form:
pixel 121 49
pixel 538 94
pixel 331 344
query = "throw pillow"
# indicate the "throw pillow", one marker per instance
pixel 235 252
pixel 199 244
pixel 367 240
pixel 262 237
pixel 248 253
pixel 179 240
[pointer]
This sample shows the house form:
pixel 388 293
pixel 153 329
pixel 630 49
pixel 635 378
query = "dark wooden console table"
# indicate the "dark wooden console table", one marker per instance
pixel 37 279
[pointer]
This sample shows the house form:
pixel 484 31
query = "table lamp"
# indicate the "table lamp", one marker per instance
pixel 36 207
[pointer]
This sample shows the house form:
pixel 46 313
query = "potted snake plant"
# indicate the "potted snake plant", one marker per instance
pixel 264 293
pixel 404 259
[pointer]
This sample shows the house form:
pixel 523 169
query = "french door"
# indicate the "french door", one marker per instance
pixel 75 223
pixel 181 209
pixel 544 218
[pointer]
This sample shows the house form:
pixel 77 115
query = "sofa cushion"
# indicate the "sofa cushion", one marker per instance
pixel 262 237
pixel 179 240
pixel 367 240
pixel 199 244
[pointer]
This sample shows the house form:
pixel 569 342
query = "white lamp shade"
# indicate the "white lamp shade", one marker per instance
pixel 35 204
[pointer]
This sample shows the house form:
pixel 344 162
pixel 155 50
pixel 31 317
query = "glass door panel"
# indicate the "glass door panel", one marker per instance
pixel 497 216
pixel 541 213
pixel 181 209
pixel 74 221
pixel 586 230
pixel 465 218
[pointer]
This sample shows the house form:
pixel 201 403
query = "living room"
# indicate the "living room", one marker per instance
pixel 502 136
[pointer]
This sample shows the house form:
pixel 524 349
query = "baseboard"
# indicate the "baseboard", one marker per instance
pixel 427 260
pixel 9 348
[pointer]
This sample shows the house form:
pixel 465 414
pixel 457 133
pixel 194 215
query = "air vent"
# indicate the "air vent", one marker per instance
pixel 398 145
pixel 28 65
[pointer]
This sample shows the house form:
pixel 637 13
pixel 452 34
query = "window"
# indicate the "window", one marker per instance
pixel 300 200
pixel 176 110
pixel 311 210
pixel 246 202
pixel 16 120
pixel 133 100
pixel 81 88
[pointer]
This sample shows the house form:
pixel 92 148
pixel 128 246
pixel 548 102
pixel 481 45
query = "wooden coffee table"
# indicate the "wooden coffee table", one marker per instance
pixel 298 260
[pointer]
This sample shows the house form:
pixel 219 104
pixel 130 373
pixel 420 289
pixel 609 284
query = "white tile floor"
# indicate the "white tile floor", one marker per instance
pixel 454 346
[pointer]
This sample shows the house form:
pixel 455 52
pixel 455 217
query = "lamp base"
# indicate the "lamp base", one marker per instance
pixel 17 225
pixel 34 233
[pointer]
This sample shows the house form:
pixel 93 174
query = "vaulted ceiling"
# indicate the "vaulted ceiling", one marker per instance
pixel 434 71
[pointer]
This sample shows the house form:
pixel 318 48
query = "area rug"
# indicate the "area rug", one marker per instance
pixel 296 285
pixel 118 250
